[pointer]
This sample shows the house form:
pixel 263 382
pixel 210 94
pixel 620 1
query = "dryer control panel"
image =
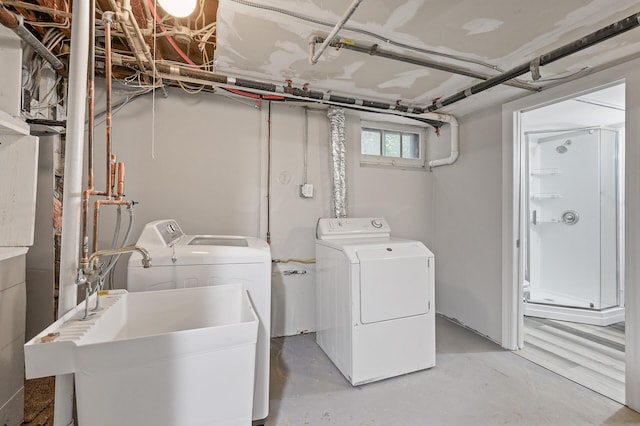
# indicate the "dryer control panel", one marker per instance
pixel 370 227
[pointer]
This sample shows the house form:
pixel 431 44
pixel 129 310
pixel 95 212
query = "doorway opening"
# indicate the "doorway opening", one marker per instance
pixel 571 236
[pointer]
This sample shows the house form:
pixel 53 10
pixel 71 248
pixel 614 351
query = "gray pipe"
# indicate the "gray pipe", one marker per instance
pixel 374 50
pixel 338 160
pixel 589 40
pixel 16 24
pixel 172 71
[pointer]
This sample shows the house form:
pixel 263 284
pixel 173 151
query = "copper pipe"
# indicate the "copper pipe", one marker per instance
pixel 8 19
pixel 113 164
pixel 120 180
pixel 96 216
pixel 107 17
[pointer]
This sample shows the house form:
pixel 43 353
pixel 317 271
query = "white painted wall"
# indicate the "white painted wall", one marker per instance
pixel 467 227
pixel 403 196
pixel 632 236
pixel 209 173
pixel 293 219
pixel 40 259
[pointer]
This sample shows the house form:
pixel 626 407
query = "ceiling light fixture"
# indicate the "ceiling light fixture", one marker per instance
pixel 178 8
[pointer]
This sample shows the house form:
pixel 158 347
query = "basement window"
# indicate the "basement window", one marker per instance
pixel 391 144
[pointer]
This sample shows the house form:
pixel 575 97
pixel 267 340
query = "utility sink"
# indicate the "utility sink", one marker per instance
pixel 173 357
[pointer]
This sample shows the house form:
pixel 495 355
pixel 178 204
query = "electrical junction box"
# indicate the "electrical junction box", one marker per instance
pixel 306 190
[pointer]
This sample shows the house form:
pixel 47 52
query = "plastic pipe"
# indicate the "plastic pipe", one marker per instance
pixel 71 217
pixel 131 17
pixel 455 134
pixel 352 8
pixel 122 17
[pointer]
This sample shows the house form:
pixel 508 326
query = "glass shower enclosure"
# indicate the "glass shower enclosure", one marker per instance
pixel 572 269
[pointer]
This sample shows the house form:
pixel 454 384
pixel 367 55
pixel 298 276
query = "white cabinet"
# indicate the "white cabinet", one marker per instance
pixel 12 327
pixel 18 171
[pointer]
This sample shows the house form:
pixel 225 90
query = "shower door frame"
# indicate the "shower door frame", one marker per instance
pixel 525 226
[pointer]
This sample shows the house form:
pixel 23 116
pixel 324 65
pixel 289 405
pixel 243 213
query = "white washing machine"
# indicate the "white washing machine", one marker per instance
pixel 179 260
pixel 374 300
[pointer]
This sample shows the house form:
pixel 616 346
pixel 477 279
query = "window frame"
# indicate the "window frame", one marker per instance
pixel 402 162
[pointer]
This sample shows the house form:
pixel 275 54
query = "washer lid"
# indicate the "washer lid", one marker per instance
pixel 193 250
pixel 214 240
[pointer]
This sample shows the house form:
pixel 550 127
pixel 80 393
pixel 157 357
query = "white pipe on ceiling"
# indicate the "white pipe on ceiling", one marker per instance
pixel 352 8
pixel 72 197
pixel 455 134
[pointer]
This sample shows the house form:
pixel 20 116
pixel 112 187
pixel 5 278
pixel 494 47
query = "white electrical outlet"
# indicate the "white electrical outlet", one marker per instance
pixel 306 190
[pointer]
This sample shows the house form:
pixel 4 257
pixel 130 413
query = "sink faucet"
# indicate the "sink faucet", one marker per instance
pixel 88 273
pixel 146 258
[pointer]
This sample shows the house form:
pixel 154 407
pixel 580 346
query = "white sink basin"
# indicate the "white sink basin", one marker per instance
pixel 171 357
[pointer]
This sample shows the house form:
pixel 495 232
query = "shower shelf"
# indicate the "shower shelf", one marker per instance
pixel 545 196
pixel 544 172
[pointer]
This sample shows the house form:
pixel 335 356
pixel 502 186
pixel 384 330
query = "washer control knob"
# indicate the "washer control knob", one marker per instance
pixel 376 223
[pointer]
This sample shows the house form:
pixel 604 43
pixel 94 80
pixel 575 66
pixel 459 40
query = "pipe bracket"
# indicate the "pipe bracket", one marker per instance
pixel 534 67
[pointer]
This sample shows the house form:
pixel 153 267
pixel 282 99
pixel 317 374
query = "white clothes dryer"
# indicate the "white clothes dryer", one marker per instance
pixel 375 308
pixel 179 260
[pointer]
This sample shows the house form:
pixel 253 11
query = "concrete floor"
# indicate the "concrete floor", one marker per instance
pixel 474 382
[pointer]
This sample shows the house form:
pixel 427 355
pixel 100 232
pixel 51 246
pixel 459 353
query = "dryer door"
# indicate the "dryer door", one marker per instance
pixel 394 282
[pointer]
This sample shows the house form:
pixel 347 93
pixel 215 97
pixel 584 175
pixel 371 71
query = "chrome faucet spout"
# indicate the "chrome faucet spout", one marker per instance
pixel 146 258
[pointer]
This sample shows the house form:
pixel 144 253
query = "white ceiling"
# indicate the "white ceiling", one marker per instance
pixel 267 40
pixel 604 107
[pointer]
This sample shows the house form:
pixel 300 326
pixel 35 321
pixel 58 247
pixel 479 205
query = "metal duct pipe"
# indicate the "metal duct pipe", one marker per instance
pixel 589 40
pixel 374 50
pixel 338 159
pixel 16 24
pixel 352 8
